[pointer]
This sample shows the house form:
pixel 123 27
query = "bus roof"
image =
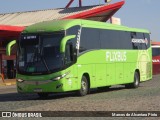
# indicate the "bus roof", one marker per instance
pixel 57 25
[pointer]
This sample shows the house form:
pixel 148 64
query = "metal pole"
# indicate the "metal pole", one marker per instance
pixel 80 3
pixel 70 2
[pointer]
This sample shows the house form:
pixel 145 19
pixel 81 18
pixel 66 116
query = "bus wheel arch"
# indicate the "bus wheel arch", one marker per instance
pixel 85 85
pixel 136 80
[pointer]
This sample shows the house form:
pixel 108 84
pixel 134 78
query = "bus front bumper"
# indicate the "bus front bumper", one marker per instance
pixel 28 86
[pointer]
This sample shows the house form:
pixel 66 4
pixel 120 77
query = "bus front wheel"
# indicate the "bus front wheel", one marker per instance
pixel 84 87
pixel 136 82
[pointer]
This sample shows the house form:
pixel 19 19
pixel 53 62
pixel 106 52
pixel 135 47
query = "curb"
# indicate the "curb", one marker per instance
pixel 8 84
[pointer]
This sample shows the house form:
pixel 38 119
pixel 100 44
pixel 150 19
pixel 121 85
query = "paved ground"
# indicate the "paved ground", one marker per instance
pixel 145 98
pixel 7 82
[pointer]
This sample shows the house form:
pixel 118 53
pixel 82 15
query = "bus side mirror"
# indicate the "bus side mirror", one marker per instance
pixel 64 41
pixel 9 47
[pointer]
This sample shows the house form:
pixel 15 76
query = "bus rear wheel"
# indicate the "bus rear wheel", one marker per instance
pixel 84 87
pixel 136 82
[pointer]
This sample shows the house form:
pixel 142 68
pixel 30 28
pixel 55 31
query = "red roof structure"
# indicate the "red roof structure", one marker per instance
pixel 102 13
pixel 10 32
pixel 13 23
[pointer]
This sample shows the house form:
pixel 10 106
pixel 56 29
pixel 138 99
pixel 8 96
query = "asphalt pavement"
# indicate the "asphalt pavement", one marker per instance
pixel 117 98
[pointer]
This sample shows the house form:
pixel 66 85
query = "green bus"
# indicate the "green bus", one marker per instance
pixel 78 55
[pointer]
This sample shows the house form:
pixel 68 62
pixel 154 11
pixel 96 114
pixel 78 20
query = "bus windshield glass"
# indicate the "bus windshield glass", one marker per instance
pixel 40 53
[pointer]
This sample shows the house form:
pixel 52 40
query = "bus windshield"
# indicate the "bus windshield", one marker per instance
pixel 40 53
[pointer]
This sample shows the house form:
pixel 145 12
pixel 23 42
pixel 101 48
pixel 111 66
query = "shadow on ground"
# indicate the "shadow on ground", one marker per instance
pixel 28 96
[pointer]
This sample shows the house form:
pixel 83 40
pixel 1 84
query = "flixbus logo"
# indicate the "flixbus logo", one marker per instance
pixel 116 56
pixel 134 40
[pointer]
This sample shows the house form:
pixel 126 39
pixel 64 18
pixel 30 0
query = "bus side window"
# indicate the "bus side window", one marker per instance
pixel 90 39
pixel 141 45
pixel 147 37
pixel 144 46
pixel 134 36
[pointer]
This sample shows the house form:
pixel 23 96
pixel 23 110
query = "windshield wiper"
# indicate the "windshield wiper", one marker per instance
pixel 45 63
pixel 35 57
pixel 32 58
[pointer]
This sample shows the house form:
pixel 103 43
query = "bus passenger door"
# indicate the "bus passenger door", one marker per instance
pixel 70 59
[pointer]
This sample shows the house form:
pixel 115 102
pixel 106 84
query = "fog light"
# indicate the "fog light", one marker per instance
pixel 20 80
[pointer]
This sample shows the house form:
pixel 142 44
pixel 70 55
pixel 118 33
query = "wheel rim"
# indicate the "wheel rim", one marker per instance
pixel 136 80
pixel 84 86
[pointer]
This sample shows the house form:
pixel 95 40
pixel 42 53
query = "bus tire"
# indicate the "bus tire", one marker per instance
pixel 136 82
pixel 43 95
pixel 84 87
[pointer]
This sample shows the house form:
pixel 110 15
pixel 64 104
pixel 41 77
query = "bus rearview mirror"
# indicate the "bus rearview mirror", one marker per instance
pixel 9 47
pixel 64 41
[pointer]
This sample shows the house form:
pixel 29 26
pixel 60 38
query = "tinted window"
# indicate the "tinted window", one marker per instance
pixel 73 30
pixel 140 41
pixel 142 45
pixel 134 44
pixel 92 38
pixel 125 40
pixel 89 39
pixel 147 36
pixel 40 53
pixel 111 39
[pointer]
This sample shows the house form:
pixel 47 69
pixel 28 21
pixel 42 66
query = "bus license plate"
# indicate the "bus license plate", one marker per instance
pixel 38 90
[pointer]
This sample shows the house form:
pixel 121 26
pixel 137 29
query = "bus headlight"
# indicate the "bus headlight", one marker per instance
pixel 57 78
pixel 20 80
pixel 61 76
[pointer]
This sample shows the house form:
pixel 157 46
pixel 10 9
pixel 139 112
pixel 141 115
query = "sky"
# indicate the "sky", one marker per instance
pixel 135 13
